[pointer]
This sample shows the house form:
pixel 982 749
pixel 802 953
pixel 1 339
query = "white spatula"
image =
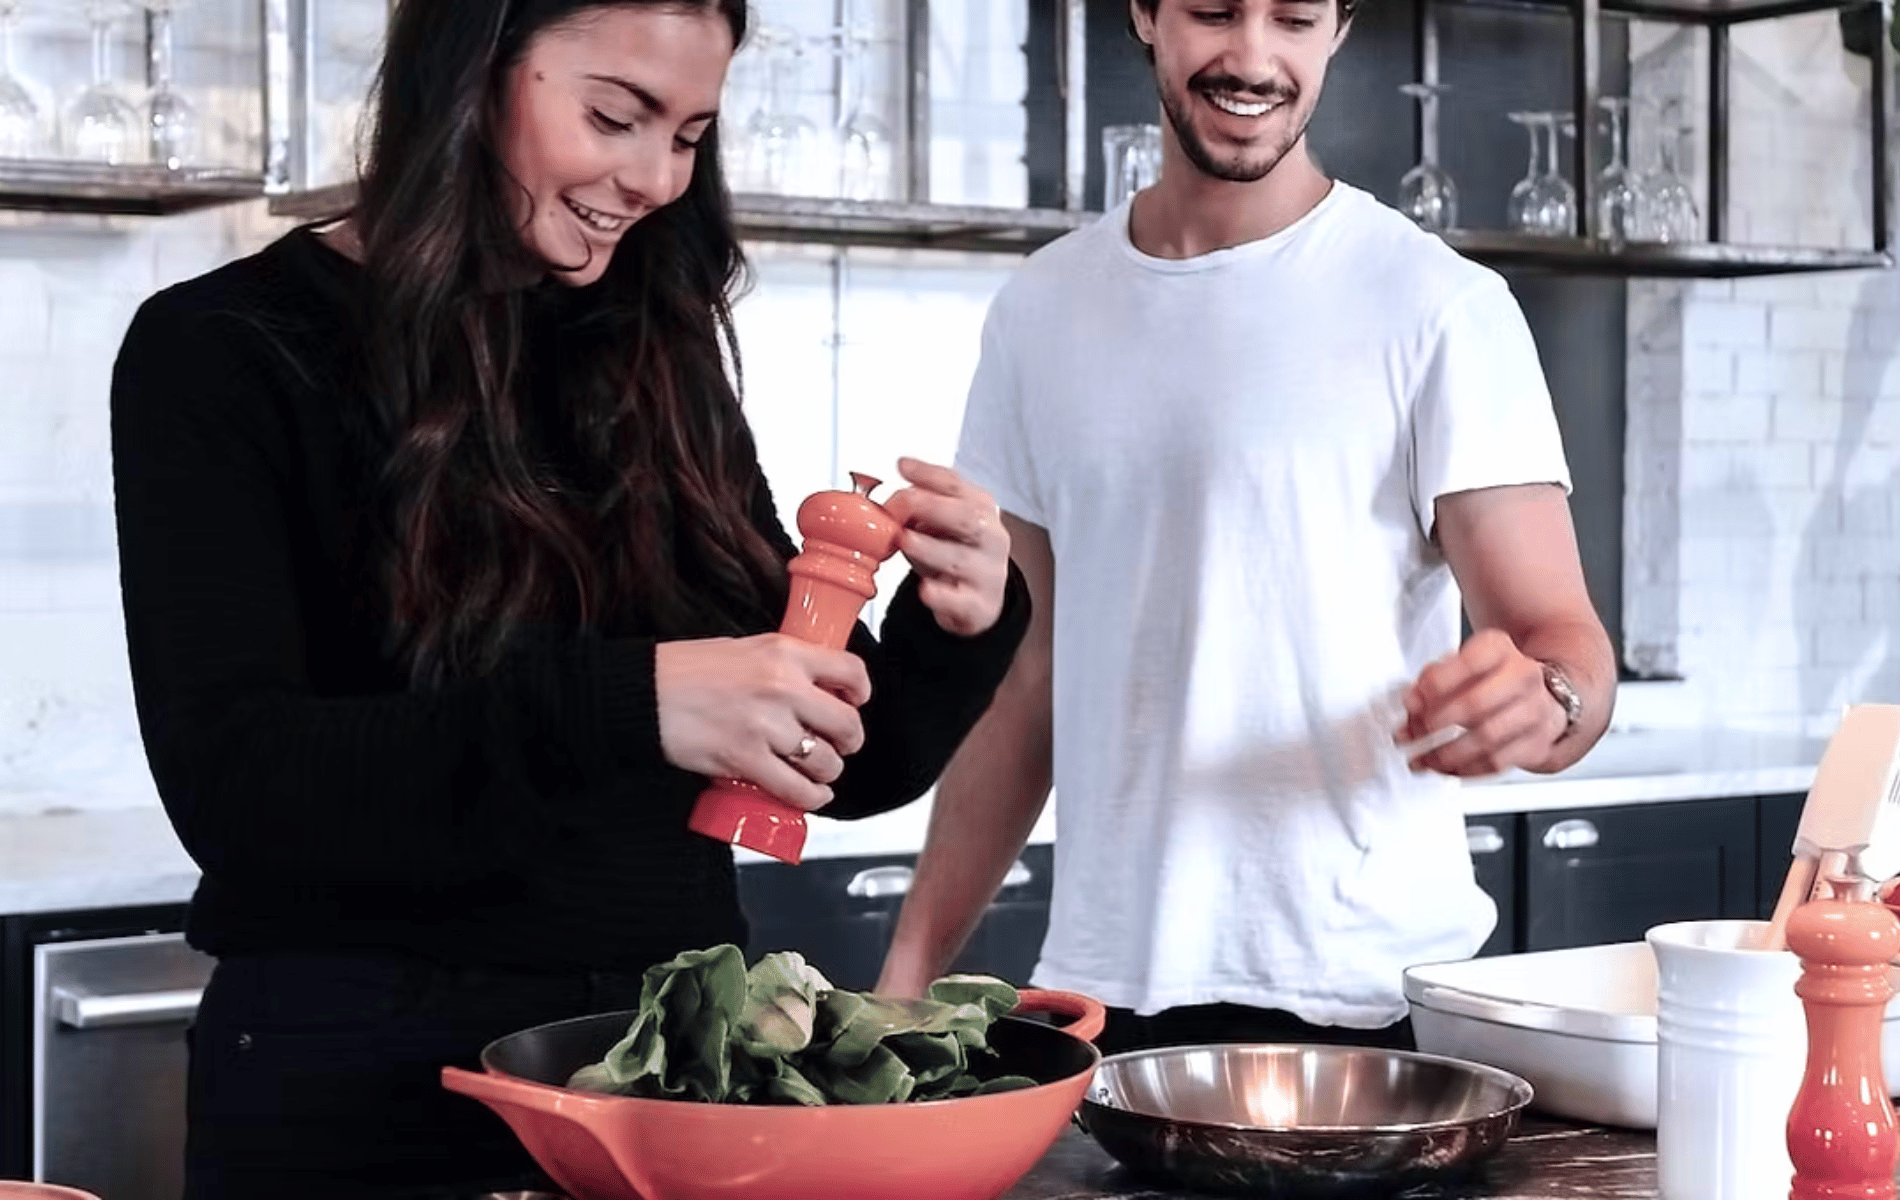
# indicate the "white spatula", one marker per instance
pixel 1853 808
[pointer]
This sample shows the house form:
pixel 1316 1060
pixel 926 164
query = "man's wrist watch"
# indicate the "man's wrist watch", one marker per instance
pixel 1564 693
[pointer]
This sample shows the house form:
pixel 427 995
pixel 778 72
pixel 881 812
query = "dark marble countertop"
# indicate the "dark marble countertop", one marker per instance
pixel 1544 1160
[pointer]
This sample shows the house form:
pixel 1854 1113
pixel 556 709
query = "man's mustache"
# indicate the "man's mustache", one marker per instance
pixel 1272 91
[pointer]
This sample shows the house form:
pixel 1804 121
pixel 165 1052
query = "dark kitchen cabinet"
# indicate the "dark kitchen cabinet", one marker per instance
pixel 1008 941
pixel 1609 874
pixel 132 1138
pixel 840 913
pixel 837 912
pixel 1493 840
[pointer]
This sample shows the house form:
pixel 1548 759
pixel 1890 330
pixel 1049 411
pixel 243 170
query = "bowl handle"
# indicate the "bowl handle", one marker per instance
pixel 1089 1016
pixel 589 1113
pixel 500 1091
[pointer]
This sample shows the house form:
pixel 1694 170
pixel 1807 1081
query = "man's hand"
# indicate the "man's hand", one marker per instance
pixel 954 538
pixel 1495 694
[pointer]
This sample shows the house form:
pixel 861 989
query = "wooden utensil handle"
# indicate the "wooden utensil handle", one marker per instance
pixel 1795 891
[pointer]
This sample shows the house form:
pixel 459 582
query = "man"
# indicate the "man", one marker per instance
pixel 1253 433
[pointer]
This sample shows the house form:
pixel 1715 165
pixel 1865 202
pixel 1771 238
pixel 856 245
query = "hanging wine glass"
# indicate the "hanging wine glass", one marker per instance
pixel 19 113
pixel 864 143
pixel 1427 193
pixel 171 124
pixel 745 85
pixel 101 126
pixel 781 144
pixel 1619 216
pixel 1543 202
pixel 1670 202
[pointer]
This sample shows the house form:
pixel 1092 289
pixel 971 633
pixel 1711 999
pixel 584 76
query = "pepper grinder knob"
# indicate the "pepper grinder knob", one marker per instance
pixel 1842 1136
pixel 847 535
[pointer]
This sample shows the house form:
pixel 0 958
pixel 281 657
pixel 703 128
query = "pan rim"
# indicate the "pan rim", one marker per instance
pixel 1519 1089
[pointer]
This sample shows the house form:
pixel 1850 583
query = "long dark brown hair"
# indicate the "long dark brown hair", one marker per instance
pixel 653 533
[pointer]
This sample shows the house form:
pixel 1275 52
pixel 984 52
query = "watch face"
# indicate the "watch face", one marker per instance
pixel 1565 695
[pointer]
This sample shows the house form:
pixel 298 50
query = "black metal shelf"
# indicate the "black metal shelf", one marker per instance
pixel 1687 12
pixel 1717 257
pixel 58 185
pixel 1688 260
pixel 1021 230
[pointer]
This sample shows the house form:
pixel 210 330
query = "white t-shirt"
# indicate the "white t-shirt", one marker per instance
pixel 1236 458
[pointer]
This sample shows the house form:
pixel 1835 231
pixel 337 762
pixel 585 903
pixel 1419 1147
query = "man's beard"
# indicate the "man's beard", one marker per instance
pixel 1240 170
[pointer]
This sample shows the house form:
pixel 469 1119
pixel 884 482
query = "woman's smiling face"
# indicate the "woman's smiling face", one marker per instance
pixel 601 126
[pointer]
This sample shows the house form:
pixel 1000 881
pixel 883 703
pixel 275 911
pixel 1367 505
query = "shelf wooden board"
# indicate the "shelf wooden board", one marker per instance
pixel 313 205
pixel 1020 230
pixel 1689 260
pixel 830 222
pixel 58 185
pixel 922 226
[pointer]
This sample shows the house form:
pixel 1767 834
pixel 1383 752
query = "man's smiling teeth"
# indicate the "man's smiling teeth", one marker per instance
pixel 599 220
pixel 1226 102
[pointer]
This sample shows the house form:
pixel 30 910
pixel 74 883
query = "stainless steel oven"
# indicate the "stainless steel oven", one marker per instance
pixel 108 1062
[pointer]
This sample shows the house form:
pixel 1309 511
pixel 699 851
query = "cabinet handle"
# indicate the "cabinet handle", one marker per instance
pixel 1019 875
pixel 1483 839
pixel 1571 835
pixel 80 1010
pixel 877 883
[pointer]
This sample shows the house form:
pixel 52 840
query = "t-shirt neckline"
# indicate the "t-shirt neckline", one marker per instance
pixel 1335 193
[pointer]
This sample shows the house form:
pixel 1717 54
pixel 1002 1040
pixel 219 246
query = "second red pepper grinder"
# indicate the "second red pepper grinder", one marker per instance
pixel 847 534
pixel 1842 1137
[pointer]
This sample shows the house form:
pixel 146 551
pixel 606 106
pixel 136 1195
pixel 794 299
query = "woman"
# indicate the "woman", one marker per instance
pixel 449 574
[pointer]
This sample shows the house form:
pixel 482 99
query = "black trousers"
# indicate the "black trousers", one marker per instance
pixel 1205 1024
pixel 320 1075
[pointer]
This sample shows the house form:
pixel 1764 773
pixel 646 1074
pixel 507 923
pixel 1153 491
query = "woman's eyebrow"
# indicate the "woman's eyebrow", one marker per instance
pixel 653 103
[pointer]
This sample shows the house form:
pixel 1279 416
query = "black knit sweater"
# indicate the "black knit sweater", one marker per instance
pixel 525 818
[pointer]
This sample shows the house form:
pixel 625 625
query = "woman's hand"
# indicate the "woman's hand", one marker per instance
pixel 953 536
pixel 771 710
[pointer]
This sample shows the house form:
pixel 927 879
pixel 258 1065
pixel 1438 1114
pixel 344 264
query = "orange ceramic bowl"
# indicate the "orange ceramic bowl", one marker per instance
pixel 599 1147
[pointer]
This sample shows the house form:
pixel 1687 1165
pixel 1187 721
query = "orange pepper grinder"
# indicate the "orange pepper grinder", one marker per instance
pixel 847 534
pixel 1842 1137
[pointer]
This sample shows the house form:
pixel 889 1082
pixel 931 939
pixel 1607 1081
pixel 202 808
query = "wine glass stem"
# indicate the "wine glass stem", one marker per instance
pixel 1428 135
pixel 101 52
pixel 161 50
pixel 859 50
pixel 1537 158
pixel 1616 137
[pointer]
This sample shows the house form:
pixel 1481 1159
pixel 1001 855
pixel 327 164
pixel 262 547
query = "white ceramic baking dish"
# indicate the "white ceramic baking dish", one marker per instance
pixel 1579 1025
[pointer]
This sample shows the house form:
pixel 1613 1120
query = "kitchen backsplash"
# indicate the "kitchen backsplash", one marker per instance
pixel 1763 450
pixel 850 360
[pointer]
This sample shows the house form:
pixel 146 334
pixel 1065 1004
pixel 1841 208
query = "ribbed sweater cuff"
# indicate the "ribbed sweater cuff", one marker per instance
pixel 629 703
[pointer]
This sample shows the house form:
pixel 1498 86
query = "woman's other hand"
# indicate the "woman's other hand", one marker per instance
pixel 953 536
pixel 771 710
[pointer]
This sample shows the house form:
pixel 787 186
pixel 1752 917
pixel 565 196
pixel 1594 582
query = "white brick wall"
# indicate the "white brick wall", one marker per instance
pixel 1764 431
pixel 68 287
pixel 67 290
pixel 821 405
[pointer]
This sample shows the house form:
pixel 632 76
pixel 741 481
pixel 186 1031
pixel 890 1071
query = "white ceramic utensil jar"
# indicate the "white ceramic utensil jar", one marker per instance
pixel 1731 1046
